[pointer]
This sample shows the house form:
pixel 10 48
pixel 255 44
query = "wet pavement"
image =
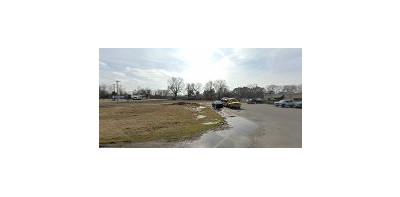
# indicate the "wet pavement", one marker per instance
pixel 240 134
pixel 255 126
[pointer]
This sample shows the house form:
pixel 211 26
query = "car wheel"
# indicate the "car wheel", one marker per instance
pixel 282 105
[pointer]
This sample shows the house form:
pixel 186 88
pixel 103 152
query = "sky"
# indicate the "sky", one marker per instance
pixel 152 67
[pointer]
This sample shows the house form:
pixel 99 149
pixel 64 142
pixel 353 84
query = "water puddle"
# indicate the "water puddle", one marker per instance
pixel 200 117
pixel 209 123
pixel 195 109
pixel 240 134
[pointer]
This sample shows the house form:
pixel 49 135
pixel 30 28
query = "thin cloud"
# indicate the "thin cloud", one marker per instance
pixel 153 67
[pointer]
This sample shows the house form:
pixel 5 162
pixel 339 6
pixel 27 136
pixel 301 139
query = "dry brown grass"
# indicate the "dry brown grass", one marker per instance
pixel 139 122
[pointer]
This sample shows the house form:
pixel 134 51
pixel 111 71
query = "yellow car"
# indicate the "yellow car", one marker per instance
pixel 233 103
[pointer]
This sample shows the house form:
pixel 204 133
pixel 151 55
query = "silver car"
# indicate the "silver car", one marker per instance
pixel 298 104
pixel 285 103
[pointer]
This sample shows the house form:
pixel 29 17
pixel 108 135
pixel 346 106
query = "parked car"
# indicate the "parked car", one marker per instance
pixel 224 101
pixel 255 101
pixel 298 104
pixel 217 104
pixel 117 97
pixel 233 103
pixel 251 101
pixel 285 103
pixel 137 98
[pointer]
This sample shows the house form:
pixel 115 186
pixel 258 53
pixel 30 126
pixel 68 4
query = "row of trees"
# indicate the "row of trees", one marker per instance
pixel 107 91
pixel 211 90
pixel 218 89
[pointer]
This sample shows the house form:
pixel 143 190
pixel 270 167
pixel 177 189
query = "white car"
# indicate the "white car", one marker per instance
pixel 285 103
pixel 298 104
pixel 137 98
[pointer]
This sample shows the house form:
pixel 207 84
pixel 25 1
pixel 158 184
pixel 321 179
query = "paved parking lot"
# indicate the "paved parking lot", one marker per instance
pixel 278 127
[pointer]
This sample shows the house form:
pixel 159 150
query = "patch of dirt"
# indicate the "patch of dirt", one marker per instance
pixel 186 103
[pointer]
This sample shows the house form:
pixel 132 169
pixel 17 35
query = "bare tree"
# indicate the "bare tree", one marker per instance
pixel 190 89
pixel 157 93
pixel 289 89
pixel 241 92
pixel 209 91
pixel 160 93
pixel 258 92
pixel 145 92
pixel 299 88
pixel 220 88
pixel 165 93
pixel 120 90
pixel 252 91
pixel 197 89
pixel 272 89
pixel 103 93
pixel 208 86
pixel 176 85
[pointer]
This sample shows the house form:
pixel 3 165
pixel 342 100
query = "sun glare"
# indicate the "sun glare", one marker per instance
pixel 201 67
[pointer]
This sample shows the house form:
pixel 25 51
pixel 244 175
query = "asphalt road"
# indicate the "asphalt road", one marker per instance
pixel 277 127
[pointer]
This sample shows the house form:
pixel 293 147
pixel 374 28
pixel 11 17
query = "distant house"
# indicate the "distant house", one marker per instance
pixel 294 96
pixel 271 98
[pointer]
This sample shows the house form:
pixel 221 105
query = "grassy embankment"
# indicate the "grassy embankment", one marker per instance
pixel 153 121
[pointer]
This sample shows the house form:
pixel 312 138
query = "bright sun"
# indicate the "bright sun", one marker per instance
pixel 201 67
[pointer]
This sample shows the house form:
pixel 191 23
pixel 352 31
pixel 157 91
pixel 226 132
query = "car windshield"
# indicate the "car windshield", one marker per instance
pixel 233 100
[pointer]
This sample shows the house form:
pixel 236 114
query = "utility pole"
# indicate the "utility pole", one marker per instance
pixel 117 91
pixel 113 90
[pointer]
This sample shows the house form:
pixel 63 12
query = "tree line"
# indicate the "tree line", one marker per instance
pixel 211 90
